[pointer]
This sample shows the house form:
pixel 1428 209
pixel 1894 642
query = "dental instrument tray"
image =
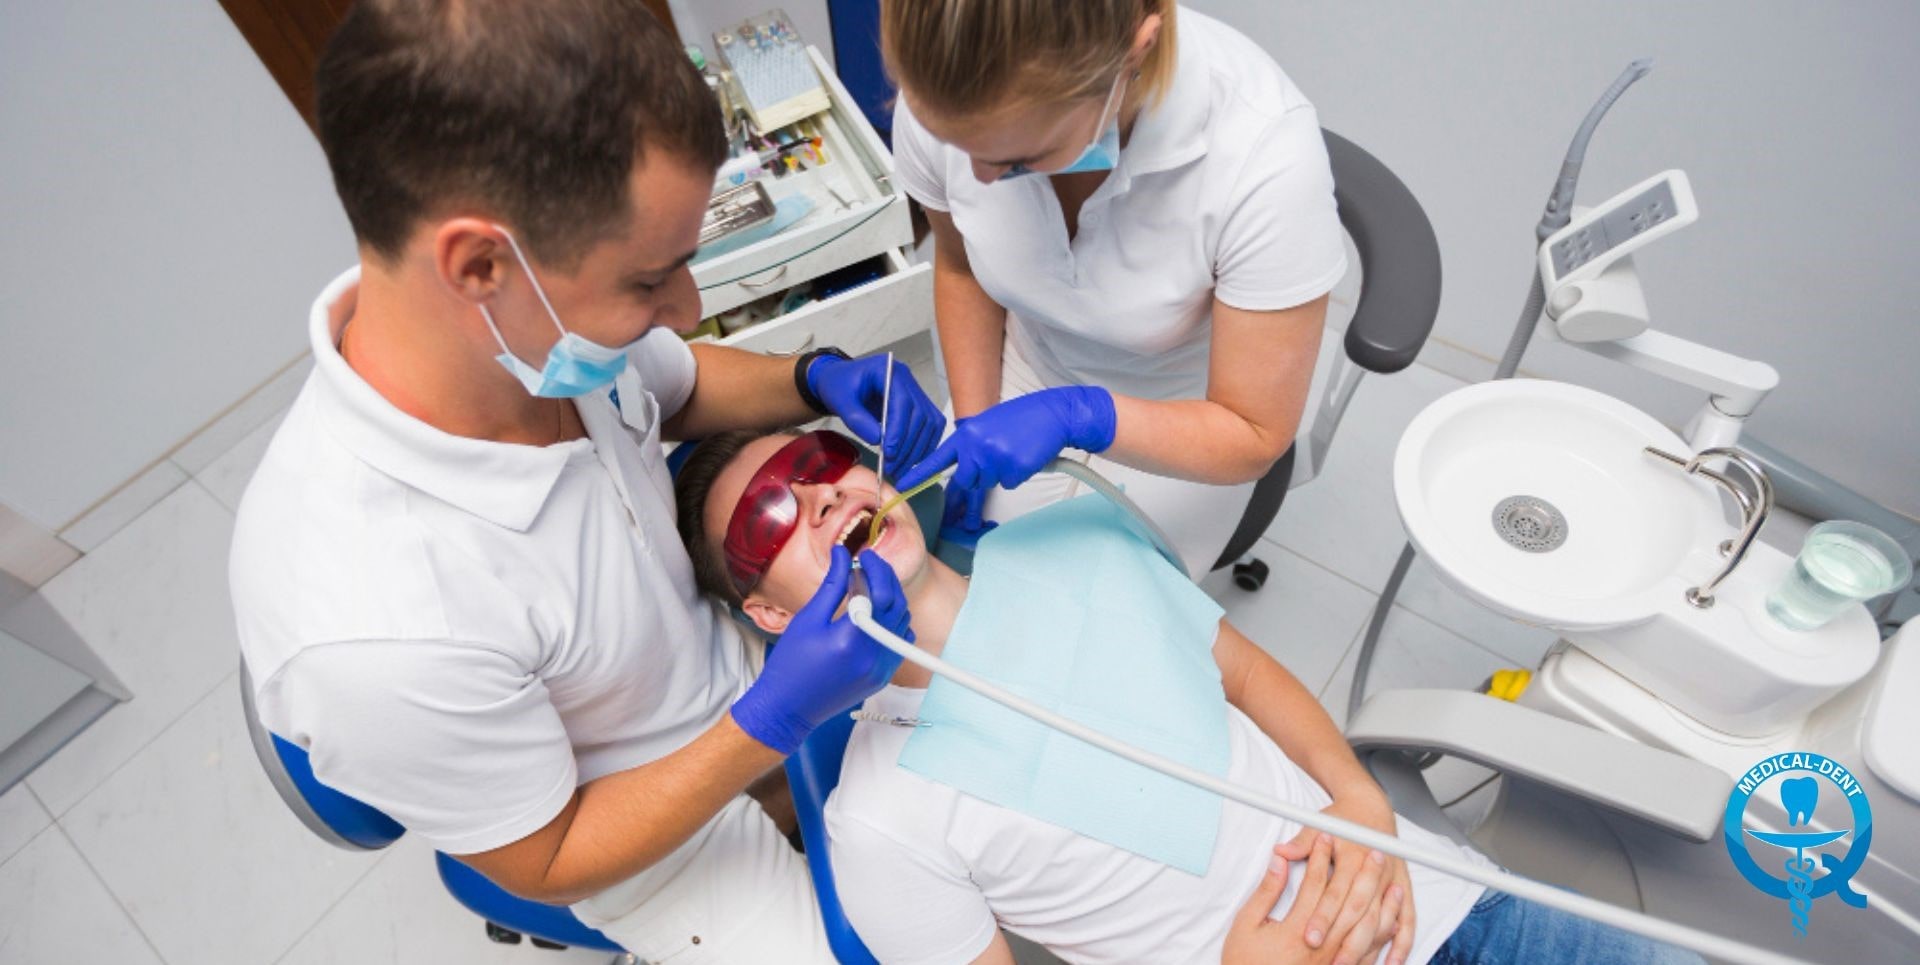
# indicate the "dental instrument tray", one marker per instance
pixel 771 70
pixel 736 209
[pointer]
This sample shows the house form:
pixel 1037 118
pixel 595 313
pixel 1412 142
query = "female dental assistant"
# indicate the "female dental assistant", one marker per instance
pixel 1135 235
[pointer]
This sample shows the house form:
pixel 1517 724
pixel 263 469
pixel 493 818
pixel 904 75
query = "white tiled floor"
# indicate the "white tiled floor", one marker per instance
pixel 154 837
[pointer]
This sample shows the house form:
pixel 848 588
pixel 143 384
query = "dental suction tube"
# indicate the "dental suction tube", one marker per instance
pixel 860 611
pixel 1105 487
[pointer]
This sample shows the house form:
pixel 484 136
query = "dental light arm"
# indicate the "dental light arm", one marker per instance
pixel 860 611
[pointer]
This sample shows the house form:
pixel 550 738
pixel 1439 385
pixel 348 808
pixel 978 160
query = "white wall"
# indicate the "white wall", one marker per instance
pixel 167 219
pixel 1799 124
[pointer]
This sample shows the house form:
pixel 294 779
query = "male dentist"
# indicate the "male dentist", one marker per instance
pixel 456 574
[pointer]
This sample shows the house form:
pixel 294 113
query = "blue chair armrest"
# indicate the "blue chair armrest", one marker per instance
pixel 812 772
pixel 551 923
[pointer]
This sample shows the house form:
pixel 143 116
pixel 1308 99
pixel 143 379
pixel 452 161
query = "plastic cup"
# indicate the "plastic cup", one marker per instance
pixel 1841 563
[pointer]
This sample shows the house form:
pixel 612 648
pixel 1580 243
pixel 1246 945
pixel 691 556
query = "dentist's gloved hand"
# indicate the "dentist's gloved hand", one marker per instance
pixel 853 389
pixel 823 664
pixel 1008 443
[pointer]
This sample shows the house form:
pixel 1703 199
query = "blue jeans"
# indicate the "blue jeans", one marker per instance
pixel 1502 928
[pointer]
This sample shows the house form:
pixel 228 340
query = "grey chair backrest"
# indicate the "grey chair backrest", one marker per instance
pixel 1399 299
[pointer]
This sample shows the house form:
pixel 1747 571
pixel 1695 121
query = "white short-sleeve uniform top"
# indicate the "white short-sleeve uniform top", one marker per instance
pixel 927 874
pixel 460 632
pixel 1223 189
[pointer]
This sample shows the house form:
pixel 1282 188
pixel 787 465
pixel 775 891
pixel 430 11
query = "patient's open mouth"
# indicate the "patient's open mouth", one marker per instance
pixel 853 534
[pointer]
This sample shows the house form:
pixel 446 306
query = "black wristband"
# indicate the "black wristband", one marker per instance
pixel 800 377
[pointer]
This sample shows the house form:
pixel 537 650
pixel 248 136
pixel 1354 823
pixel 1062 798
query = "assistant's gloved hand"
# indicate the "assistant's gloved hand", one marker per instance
pixel 1008 443
pixel 824 664
pixel 960 521
pixel 853 390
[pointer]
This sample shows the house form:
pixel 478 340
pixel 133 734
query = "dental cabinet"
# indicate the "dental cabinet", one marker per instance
pixel 858 217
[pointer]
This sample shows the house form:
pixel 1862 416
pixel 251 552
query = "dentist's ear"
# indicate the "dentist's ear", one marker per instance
pixel 769 618
pixel 470 256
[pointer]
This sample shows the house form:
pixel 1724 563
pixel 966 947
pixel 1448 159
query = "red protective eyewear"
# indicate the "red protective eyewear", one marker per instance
pixel 767 513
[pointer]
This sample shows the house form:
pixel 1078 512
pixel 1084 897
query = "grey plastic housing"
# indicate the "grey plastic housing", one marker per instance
pixel 1399 258
pixel 1677 794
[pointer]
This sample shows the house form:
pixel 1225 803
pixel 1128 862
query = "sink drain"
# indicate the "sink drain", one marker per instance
pixel 1530 523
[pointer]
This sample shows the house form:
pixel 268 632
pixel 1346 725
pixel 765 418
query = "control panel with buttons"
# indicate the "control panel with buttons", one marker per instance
pixel 1627 222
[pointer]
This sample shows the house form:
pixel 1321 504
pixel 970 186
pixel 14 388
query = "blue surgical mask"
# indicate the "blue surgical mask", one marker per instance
pixel 575 366
pixel 1101 154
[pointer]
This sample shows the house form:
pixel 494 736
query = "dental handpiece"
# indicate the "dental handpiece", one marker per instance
pixel 857 586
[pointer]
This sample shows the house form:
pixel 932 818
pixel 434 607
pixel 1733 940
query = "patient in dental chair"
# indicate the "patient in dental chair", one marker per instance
pixel 928 873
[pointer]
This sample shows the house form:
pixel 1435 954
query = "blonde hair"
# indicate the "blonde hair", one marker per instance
pixel 970 56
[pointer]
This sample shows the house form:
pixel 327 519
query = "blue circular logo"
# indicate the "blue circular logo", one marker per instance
pixel 1798 778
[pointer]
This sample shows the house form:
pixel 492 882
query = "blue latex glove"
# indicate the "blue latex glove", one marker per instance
pixel 823 664
pixel 960 521
pixel 853 390
pixel 1007 444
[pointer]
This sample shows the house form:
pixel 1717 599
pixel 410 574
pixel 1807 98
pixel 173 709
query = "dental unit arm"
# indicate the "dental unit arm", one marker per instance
pixel 1594 299
pixel 1674 805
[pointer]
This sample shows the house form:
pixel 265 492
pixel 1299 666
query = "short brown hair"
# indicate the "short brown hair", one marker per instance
pixel 536 110
pixel 966 56
pixel 690 488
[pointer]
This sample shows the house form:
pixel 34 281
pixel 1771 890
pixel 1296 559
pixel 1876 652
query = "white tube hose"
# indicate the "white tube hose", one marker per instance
pixel 860 611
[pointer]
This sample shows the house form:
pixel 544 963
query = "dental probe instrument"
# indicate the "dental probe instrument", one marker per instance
pixel 860 611
pixel 886 400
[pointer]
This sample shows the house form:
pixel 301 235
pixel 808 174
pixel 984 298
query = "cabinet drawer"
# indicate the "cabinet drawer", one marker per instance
pixel 857 213
pixel 804 252
pixel 858 320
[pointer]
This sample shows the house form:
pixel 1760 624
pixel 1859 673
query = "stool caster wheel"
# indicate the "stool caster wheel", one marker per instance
pixel 1250 575
pixel 503 936
pixel 543 943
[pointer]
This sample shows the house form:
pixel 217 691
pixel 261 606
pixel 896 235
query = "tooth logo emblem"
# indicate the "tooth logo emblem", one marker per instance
pixel 1798 795
pixel 1797 779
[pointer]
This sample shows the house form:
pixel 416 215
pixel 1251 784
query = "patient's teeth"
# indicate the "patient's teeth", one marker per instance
pixel 854 523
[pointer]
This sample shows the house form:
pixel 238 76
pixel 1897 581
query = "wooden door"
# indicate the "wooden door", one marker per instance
pixel 288 35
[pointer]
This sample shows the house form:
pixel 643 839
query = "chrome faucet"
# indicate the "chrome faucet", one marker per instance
pixel 1754 508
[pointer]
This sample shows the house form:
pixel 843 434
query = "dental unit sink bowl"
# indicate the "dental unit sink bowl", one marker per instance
pixel 1539 501
pixel 1564 455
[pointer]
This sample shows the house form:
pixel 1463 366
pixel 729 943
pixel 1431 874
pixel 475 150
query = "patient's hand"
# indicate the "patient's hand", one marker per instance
pixel 1368 889
pixel 1255 939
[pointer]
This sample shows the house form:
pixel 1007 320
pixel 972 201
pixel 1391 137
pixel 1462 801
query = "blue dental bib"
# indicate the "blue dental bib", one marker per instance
pixel 1071 607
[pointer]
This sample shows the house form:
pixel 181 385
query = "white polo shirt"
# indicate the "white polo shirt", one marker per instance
pixel 1223 189
pixel 460 632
